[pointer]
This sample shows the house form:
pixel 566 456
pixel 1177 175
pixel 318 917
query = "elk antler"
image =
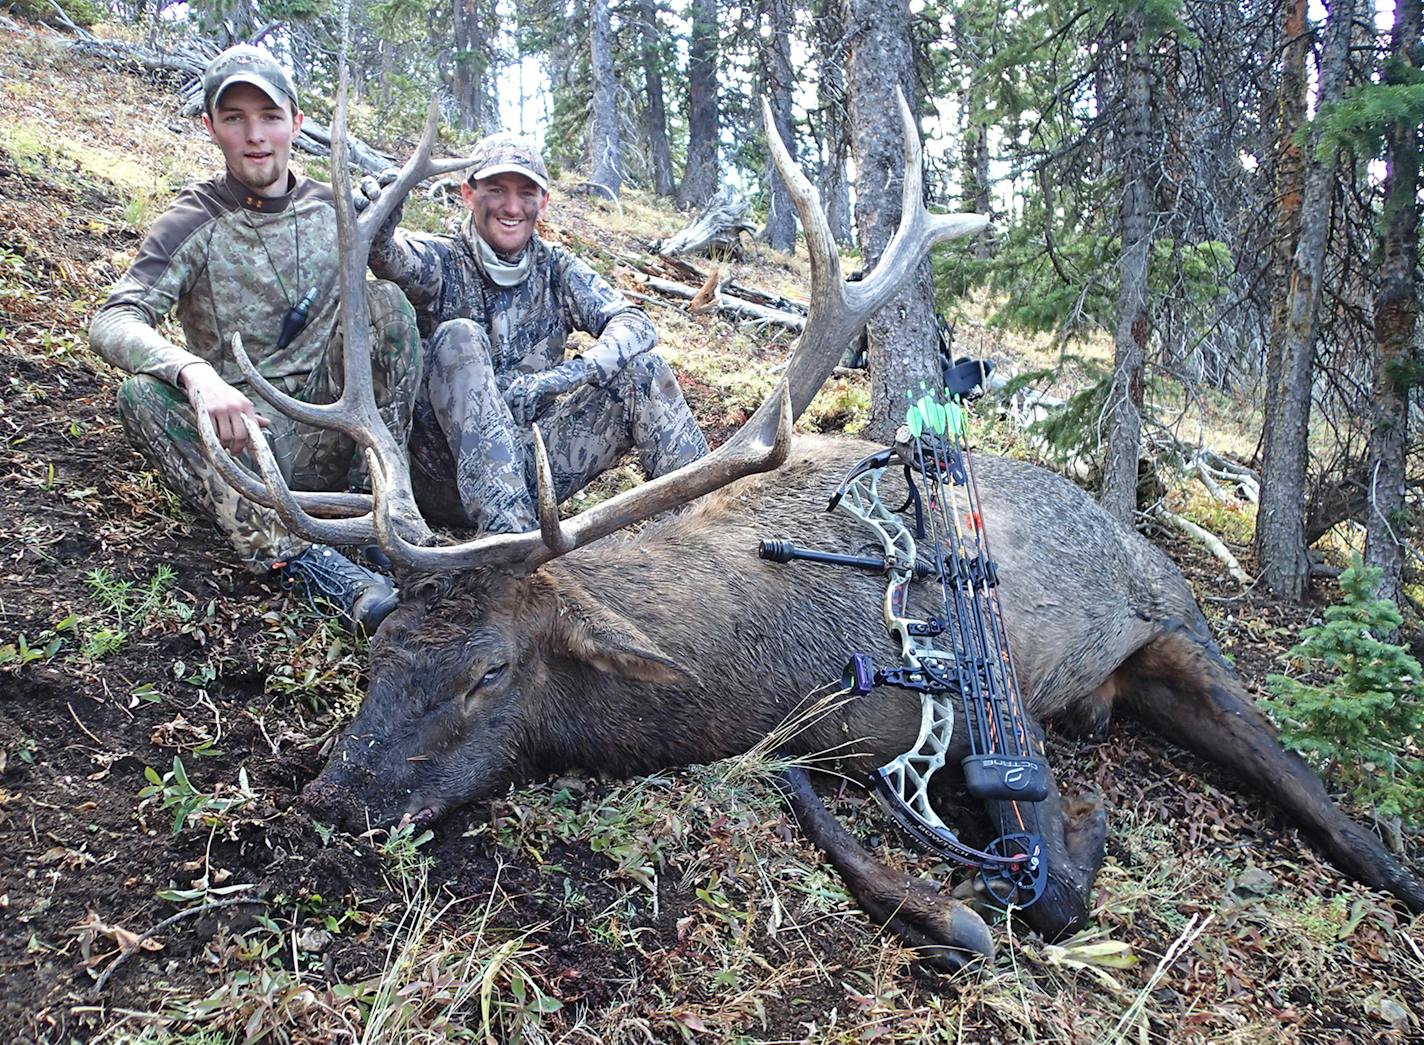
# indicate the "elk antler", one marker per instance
pixel 837 313
pixel 354 413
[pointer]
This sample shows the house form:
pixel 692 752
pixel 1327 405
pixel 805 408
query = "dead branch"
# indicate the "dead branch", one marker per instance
pixel 138 943
pixel 717 230
pixel 727 304
pixel 1206 538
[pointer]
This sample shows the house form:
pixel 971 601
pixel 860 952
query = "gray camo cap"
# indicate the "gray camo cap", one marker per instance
pixel 247 64
pixel 503 153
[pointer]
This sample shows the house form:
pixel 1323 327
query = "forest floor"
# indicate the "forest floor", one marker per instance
pixel 160 710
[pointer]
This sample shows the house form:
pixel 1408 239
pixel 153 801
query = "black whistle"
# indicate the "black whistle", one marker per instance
pixel 295 321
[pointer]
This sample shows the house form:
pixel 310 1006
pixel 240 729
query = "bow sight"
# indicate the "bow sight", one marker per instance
pixel 962 650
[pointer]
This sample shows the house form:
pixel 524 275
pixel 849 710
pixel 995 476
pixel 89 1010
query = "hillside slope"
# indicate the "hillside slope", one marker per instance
pixel 677 907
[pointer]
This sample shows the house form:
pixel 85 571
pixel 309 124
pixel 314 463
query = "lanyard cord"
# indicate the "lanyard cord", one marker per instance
pixel 296 239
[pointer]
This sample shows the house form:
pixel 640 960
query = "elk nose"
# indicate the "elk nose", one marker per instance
pixel 327 801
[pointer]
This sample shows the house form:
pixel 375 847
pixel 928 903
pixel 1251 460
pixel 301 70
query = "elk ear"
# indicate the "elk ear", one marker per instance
pixel 590 632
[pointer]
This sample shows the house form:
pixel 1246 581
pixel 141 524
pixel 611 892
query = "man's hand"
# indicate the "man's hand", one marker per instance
pixel 371 187
pixel 225 404
pixel 529 395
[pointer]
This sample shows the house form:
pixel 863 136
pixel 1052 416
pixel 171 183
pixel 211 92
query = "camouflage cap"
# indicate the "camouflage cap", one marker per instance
pixel 507 153
pixel 247 64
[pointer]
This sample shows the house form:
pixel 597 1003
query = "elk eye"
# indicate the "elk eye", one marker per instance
pixel 494 674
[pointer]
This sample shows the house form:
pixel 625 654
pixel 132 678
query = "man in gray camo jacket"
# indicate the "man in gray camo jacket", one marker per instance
pixel 239 254
pixel 498 304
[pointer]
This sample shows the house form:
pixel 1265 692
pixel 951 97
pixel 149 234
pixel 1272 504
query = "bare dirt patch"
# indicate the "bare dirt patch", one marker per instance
pixel 672 908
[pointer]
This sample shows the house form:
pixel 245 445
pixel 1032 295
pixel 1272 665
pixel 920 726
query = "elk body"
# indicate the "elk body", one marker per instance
pixel 515 655
pixel 681 646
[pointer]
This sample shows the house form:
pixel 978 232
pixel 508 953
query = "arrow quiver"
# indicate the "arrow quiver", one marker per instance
pixel 956 659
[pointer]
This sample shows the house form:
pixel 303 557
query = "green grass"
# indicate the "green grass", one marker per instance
pixel 143 188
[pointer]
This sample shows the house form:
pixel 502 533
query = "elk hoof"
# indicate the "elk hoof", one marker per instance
pixel 945 933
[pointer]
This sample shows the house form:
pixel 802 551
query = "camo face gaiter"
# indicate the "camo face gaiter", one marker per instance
pixel 501 273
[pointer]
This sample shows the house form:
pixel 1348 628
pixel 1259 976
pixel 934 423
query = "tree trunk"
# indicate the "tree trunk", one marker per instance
pixel 1289 179
pixel 780 233
pixel 974 137
pixel 660 152
pixel 902 339
pixel 699 178
pixel 1280 519
pixel 1124 404
pixel 831 97
pixel 467 82
pixel 605 150
pixel 1399 364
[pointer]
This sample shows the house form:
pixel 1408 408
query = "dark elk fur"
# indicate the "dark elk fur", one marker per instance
pixel 680 646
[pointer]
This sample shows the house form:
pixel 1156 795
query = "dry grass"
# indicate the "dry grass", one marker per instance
pixel 699 914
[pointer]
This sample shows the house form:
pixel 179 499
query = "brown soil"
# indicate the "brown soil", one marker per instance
pixel 81 861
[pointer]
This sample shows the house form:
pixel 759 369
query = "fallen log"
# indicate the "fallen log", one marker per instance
pixel 716 231
pixel 737 308
pixel 1206 538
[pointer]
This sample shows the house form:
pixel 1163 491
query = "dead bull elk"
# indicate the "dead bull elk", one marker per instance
pixel 516 655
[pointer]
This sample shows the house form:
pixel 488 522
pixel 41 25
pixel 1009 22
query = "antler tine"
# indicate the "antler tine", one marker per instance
pixel 333 531
pixel 322 415
pixel 820 244
pixel 918 231
pixel 416 169
pixel 334 505
pixel 549 528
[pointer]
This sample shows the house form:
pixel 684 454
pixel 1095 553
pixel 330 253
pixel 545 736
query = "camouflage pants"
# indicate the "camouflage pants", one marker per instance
pixel 160 423
pixel 473 466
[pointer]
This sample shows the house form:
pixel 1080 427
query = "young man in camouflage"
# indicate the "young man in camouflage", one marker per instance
pixel 238 254
pixel 498 304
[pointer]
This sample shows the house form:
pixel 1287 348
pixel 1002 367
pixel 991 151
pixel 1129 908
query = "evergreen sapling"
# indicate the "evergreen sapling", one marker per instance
pixel 1361 725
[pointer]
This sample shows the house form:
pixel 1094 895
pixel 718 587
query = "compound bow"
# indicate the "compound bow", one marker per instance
pixel 1006 762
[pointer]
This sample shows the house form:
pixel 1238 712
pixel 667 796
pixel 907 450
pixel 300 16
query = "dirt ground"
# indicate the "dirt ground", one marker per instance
pixel 677 908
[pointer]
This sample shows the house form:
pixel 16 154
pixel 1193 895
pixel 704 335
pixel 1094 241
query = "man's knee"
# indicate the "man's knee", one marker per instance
pixel 150 408
pixel 647 374
pixel 397 338
pixel 459 347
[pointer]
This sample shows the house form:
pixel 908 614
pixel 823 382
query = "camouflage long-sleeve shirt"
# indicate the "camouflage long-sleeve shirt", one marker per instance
pixel 229 262
pixel 528 324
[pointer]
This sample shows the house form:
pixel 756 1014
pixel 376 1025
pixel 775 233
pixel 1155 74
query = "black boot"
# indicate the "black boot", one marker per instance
pixel 363 598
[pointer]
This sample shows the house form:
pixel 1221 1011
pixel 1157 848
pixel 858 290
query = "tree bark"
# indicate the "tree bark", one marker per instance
pixel 1399 363
pixel 1289 179
pixel 835 139
pixel 1280 519
pixel 1124 403
pixel 780 232
pixel 469 81
pixel 664 184
pixel 606 153
pixel 699 177
pixel 903 347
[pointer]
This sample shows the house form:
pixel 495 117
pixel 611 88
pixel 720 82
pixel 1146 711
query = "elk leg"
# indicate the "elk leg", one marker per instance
pixel 1074 835
pixel 943 931
pixel 1180 685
